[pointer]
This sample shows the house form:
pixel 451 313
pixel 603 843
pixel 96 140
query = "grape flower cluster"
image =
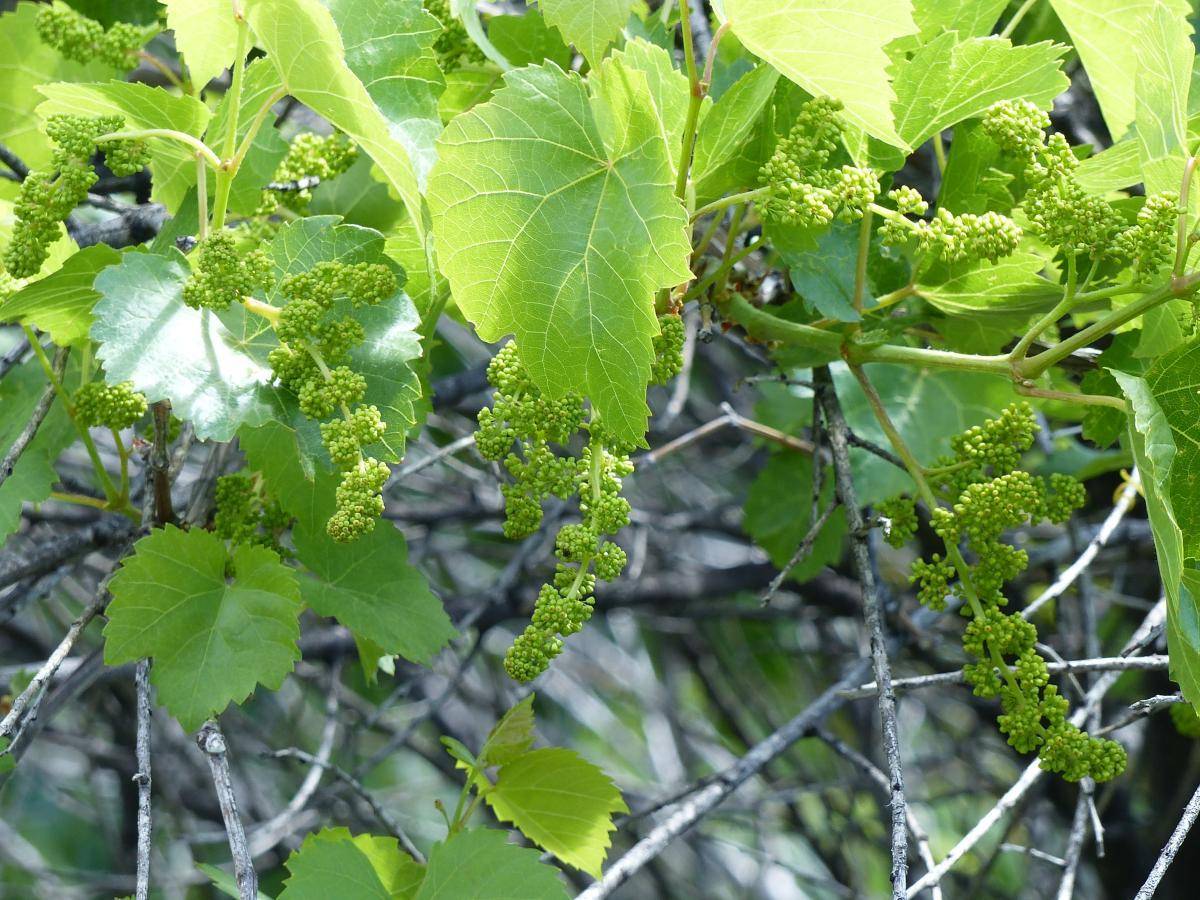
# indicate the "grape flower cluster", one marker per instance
pixel 83 40
pixel 311 159
pixel 223 273
pixel 98 404
pixel 316 336
pixel 946 236
pixel 522 416
pixel 49 195
pixel 1061 211
pixel 806 188
pixel 454 47
pixel 988 493
pixel 245 514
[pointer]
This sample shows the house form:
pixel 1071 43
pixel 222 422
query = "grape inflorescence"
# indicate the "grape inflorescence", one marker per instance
pixel 531 434
pixel 985 493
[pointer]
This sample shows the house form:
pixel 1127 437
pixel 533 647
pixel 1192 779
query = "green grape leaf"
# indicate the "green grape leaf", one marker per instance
pixel 26 64
pixel 61 303
pixel 1106 35
pixel 778 514
pixel 511 737
pixel 268 147
pixel 389 46
pixel 33 476
pixel 206 365
pixel 368 585
pixel 215 625
pixel 824 276
pixel 1166 56
pixel 1112 169
pixel 527 40
pixel 556 220
pixel 969 18
pixel 727 128
pixel 392 344
pixel 302 39
pixel 561 802
pixel 1010 286
pixel 950 80
pixel 172 164
pixel 481 864
pixel 591 25
pixel 668 89
pixel 1152 437
pixel 334 863
pixel 833 48
pixel 928 407
pixel 206 34
pixel 1174 382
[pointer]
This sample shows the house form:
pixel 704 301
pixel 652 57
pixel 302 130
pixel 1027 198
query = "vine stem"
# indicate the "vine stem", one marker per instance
pixel 730 200
pixel 197 145
pixel 1181 242
pixel 1021 350
pixel 864 248
pixel 1017 17
pixel 228 166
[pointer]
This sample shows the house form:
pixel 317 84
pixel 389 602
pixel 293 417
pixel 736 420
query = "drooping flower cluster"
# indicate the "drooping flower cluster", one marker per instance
pixel 523 428
pixel 989 494
pixel 316 335
pixel 83 40
pixel 806 188
pixel 101 405
pixel 50 195
pixel 310 160
pixel 1061 211
pixel 246 515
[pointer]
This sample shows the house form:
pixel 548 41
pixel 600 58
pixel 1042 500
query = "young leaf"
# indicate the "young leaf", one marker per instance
pixel 561 802
pixel 61 303
pixel 302 39
pixel 206 34
pixel 833 48
pixel 481 864
pixel 556 220
pixel 668 89
pixel 216 626
pixel 172 164
pixel 511 737
pixel 334 863
pixel 1105 32
pixel 591 25
pixel 1163 79
pixel 950 80
pixel 824 277
pixel 726 129
pixel 172 352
